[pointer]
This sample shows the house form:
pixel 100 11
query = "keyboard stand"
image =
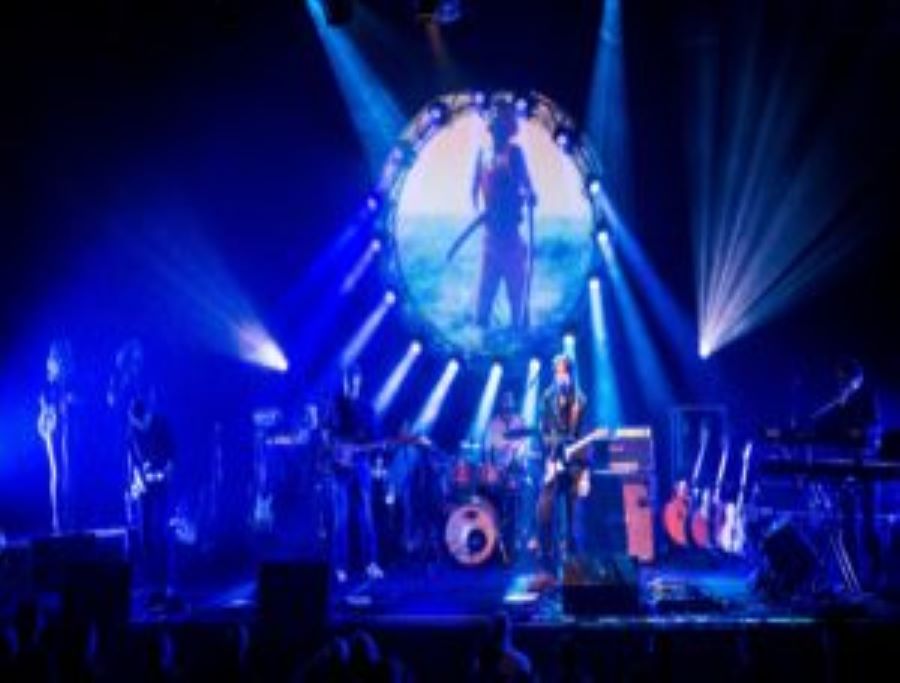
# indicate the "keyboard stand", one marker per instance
pixel 835 536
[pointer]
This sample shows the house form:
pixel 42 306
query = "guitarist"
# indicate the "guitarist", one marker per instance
pixel 55 427
pixel 562 409
pixel 352 426
pixel 151 454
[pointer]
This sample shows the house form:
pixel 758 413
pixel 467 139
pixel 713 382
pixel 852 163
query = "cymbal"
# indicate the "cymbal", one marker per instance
pixel 521 432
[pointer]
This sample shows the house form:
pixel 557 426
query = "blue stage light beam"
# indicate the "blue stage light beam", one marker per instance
pixel 654 383
pixel 531 392
pixel 777 208
pixel 256 346
pixel 366 331
pixel 486 403
pixel 375 114
pixel 395 380
pixel 362 265
pixel 677 324
pixel 205 302
pixel 607 116
pixel 432 409
pixel 606 407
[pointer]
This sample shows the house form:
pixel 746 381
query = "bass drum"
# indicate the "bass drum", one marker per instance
pixel 472 532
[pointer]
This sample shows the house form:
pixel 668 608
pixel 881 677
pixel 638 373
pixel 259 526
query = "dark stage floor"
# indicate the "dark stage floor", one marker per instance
pixel 688 616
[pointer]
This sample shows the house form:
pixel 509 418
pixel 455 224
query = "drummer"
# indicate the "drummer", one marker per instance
pixel 504 442
pixel 506 463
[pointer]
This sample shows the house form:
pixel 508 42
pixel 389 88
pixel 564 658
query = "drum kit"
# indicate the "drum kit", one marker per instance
pixel 486 491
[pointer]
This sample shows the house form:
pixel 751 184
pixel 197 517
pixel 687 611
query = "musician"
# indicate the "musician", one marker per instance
pixel 352 427
pixel 56 429
pixel 504 439
pixel 852 421
pixel 128 382
pixel 151 452
pixel 505 447
pixel 853 412
pixel 562 409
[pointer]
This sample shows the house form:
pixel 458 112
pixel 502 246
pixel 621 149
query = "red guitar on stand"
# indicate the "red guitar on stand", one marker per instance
pixel 677 511
pixel 705 520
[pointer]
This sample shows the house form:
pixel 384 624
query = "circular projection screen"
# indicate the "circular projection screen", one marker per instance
pixel 490 223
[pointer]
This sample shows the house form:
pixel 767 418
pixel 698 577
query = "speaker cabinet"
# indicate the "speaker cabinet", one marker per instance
pixel 789 562
pixel 599 586
pixel 619 516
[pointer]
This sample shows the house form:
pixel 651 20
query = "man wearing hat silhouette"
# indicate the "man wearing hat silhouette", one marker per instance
pixel 501 188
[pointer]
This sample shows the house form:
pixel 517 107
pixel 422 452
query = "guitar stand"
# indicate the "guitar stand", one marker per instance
pixel 835 537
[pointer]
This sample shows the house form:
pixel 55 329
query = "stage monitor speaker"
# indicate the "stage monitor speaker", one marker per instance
pixel 292 598
pixel 52 555
pixel 594 587
pixel 789 562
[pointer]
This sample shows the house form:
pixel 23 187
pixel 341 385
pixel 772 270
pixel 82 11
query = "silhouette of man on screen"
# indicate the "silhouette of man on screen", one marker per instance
pixel 501 188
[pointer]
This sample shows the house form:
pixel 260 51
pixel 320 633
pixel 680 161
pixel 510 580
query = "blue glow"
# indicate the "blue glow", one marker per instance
pixel 532 389
pixel 395 380
pixel 256 346
pixel 607 115
pixel 486 404
pixel 772 216
pixel 432 408
pixel 211 305
pixel 373 202
pixel 362 265
pixel 366 331
pixel 680 333
pixel 606 407
pixel 375 114
pixel 654 383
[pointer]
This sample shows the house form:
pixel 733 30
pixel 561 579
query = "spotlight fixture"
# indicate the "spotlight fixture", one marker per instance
pixel 438 112
pixel 565 138
pixel 593 186
pixel 373 202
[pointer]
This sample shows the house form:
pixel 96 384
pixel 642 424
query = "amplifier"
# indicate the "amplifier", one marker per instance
pixel 628 448
pixel 619 515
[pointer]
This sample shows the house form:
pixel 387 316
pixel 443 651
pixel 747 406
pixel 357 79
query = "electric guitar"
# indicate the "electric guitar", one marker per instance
pixel 705 518
pixel 562 455
pixel 47 424
pixel 732 534
pixel 676 511
pixel 144 477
